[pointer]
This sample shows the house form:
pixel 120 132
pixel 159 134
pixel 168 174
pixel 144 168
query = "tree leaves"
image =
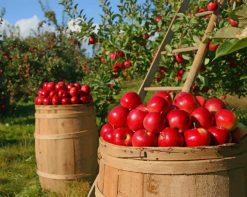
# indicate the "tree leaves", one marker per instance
pixel 230 46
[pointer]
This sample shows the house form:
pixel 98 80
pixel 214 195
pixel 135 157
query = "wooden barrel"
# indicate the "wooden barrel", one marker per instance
pixel 219 171
pixel 66 143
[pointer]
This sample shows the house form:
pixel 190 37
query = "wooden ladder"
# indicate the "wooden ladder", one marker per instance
pixel 198 59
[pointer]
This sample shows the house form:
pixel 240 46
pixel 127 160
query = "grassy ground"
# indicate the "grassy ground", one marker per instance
pixel 17 158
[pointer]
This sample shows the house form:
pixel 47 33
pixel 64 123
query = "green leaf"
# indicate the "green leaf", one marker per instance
pixel 239 12
pixel 243 77
pixel 230 46
pixel 228 32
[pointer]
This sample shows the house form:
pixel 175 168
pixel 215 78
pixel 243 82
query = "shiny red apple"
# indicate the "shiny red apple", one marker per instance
pixel 185 101
pixel 135 119
pixel 214 104
pixel 105 128
pixel 219 135
pixel 122 136
pixel 178 119
pixel 130 100
pixel 118 116
pixel 197 137
pixel 169 137
pixel 157 104
pixel 143 138
pixel 154 122
pixel 225 118
pixel 201 117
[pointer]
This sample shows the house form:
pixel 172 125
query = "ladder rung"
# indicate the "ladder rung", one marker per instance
pixel 203 13
pixel 163 88
pixel 180 50
pixel 186 49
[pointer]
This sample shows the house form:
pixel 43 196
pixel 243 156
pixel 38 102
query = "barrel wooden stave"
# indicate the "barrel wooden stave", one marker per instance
pixel 223 173
pixel 66 144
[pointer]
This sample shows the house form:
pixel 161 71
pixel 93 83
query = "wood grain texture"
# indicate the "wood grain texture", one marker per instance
pixel 66 145
pixel 222 173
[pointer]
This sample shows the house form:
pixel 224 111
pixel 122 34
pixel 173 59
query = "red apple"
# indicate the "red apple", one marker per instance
pixel 219 135
pixel 43 93
pixel 91 40
pixel 202 117
pixel 157 104
pixel 169 137
pixel 135 119
pixel 233 22
pixel 201 100
pixel 127 64
pixel 143 138
pixel 212 47
pixel 46 101
pixel 77 85
pixel 158 18
pixel 60 86
pixel 179 58
pixel 142 107
pixel 130 100
pixel 214 104
pixel 83 99
pixel 122 136
pixel 120 53
pixel 73 92
pixel 112 56
pixel 50 86
pixel 105 128
pixel 118 116
pixel 85 89
pixel 65 101
pixel 108 137
pixel 38 100
pixel 55 100
pixel 225 118
pixel 165 95
pixel 162 70
pixel 154 122
pixel 178 119
pixel 62 93
pixel 52 93
pixel 212 6
pixel 197 137
pixel 74 100
pixel 69 86
pixel 185 101
pixel 44 85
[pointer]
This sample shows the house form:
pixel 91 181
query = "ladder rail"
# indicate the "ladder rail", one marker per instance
pixel 168 37
pixel 202 50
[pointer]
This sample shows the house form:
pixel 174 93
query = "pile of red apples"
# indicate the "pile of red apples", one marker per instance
pixel 186 120
pixel 62 93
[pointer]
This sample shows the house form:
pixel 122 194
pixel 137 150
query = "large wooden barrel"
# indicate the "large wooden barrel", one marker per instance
pixel 66 143
pixel 219 171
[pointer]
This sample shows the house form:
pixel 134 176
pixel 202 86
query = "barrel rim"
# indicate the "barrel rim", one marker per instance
pixel 62 106
pixel 227 145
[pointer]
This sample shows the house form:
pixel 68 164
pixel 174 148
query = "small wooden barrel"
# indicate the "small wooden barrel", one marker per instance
pixel 219 171
pixel 66 143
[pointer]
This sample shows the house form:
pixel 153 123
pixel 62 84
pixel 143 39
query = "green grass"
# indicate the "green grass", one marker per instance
pixel 17 158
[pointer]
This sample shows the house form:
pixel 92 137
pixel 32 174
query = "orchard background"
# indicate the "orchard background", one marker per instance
pixel 124 44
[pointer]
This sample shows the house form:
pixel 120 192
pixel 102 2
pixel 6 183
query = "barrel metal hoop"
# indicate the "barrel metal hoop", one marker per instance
pixel 58 116
pixel 61 136
pixel 63 176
